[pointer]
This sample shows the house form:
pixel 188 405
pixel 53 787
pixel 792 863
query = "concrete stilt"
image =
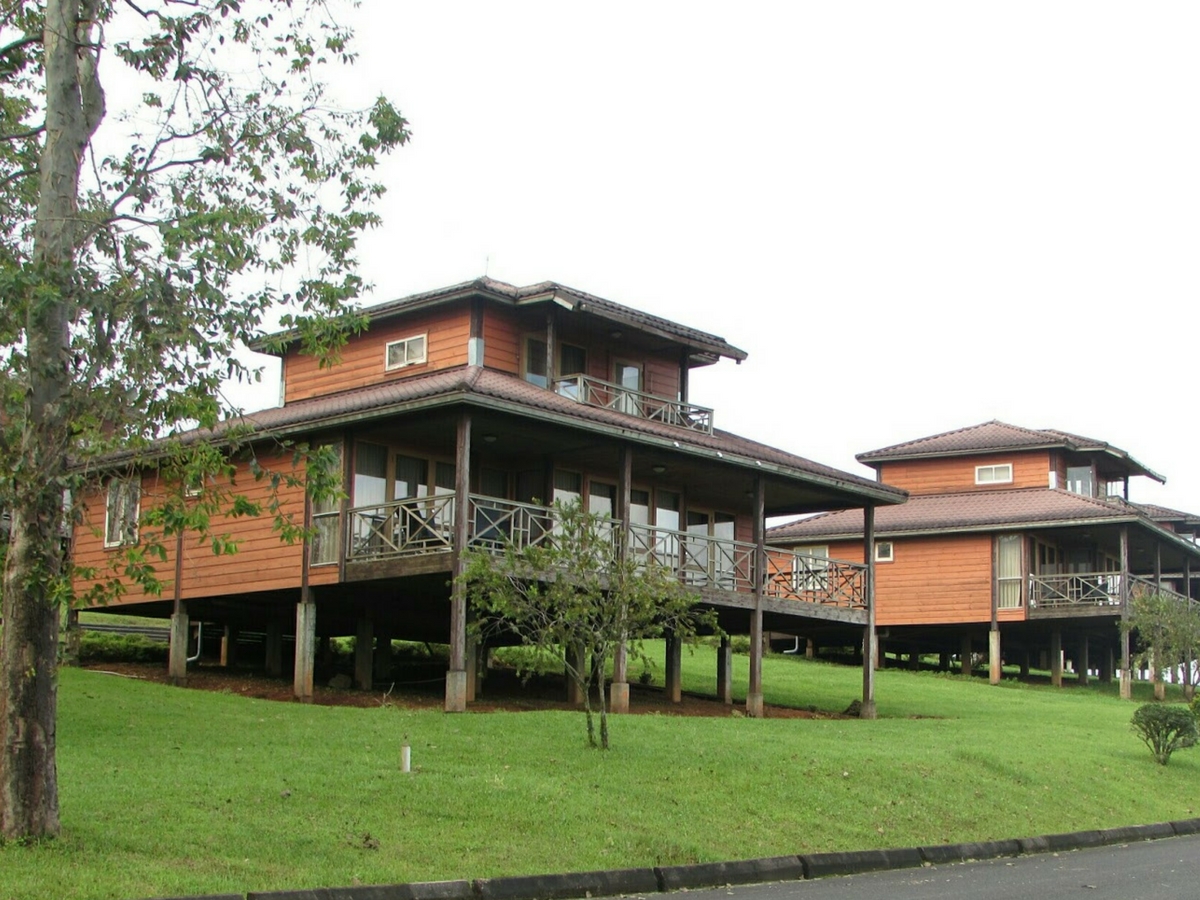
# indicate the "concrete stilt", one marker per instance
pixel 306 645
pixel 754 694
pixel 472 668
pixel 618 692
pixel 994 656
pixel 725 671
pixel 177 660
pixel 364 652
pixel 674 669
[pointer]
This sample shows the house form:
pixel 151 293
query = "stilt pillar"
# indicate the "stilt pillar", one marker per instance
pixel 1056 658
pixel 177 659
pixel 674 669
pixel 456 675
pixel 914 660
pixel 944 661
pixel 964 659
pixel 1107 664
pixel 1025 663
pixel 994 656
pixel 725 671
pixel 306 646
pixel 364 651
pixel 274 660
pixel 618 694
pixel 870 635
pixel 810 649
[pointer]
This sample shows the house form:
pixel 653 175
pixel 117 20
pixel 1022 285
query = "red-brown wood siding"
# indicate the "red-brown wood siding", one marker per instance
pixel 262 561
pixel 1031 468
pixel 501 341
pixel 932 580
pixel 362 359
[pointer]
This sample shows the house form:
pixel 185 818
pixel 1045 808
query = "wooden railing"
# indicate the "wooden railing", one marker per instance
pixel 1074 589
pixel 815 579
pixel 1140 585
pixel 652 407
pixel 700 561
pixel 426 525
pixel 401 528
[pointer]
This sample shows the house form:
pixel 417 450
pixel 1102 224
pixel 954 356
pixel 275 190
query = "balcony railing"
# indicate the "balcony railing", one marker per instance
pixel 815 579
pixel 407 528
pixel 1139 585
pixel 1075 589
pixel 606 395
pixel 402 528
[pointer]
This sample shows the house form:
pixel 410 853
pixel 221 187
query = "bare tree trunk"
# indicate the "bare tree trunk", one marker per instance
pixel 33 565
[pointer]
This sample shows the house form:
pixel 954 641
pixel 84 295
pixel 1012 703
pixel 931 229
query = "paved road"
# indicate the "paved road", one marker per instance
pixel 1150 870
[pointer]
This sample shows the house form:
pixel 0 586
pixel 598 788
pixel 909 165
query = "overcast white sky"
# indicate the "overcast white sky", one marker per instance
pixel 914 216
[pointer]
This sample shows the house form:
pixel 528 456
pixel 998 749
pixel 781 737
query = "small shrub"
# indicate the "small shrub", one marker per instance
pixel 100 647
pixel 1165 729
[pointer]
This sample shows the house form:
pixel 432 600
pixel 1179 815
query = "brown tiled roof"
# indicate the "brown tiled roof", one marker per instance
pixel 995 436
pixel 498 390
pixel 1166 514
pixel 489 288
pixel 965 511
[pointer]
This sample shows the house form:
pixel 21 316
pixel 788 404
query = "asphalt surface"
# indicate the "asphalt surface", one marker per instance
pixel 1147 870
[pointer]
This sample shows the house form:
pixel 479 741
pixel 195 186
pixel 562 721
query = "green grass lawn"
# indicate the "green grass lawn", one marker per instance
pixel 168 791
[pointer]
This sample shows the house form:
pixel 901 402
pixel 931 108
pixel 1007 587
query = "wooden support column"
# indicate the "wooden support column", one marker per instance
pixel 551 354
pixel 994 655
pixel 1025 663
pixel 964 654
pixel 456 677
pixel 618 698
pixel 674 668
pixel 754 696
pixel 364 652
pixel 725 671
pixel 1056 658
pixel 177 659
pixel 914 660
pixel 944 661
pixel 1107 664
pixel 870 638
pixel 810 649
pixel 306 645
pixel 274 660
pixel 1126 676
pixel 1084 662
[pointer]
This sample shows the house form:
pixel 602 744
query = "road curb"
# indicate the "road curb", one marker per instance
pixel 604 883
pixel 664 879
pixel 855 862
pixel 744 871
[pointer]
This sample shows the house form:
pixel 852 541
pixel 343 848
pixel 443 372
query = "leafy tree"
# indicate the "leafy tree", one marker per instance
pixel 1165 729
pixel 137 251
pixel 576 589
pixel 1167 629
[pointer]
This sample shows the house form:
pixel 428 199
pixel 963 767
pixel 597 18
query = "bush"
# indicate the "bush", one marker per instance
pixel 101 647
pixel 1165 729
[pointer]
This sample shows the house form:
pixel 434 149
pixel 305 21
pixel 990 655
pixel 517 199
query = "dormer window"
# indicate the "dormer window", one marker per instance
pixel 1080 481
pixel 1000 474
pixel 407 352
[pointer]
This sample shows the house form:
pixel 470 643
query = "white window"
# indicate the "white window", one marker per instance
pixel 121 512
pixel 1001 474
pixel 885 551
pixel 407 352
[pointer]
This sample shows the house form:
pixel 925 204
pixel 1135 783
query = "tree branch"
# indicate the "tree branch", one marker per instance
pixel 21 135
pixel 19 43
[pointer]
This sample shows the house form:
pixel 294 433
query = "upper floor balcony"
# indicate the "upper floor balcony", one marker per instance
pixel 423 527
pixel 607 395
pixel 1088 593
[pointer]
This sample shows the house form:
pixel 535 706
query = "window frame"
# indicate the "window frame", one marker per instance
pixel 387 352
pixel 992 467
pixel 891 551
pixel 131 488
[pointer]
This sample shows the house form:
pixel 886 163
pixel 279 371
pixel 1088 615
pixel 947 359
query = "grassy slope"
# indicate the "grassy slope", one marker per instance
pixel 167 791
